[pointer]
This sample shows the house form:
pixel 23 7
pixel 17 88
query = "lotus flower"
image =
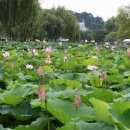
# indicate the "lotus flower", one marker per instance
pixel 29 66
pixel 48 50
pixel 92 67
pixel 6 54
pixel 47 61
pixel 11 66
pixel 40 70
pixel 42 93
pixel 34 50
pixel 77 101
pixel 104 75
pixel 65 58
pixel 35 53
pixel 128 52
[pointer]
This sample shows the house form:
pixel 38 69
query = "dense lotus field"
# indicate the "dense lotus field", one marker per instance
pixel 64 87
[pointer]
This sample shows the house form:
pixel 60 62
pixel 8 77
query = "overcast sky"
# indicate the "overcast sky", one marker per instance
pixel 102 8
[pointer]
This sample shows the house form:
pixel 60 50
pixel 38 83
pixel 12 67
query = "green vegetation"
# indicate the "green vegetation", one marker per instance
pixel 56 23
pixel 40 95
pixel 26 20
pixel 18 16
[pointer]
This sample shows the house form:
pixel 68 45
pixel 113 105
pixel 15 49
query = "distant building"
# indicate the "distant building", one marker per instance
pixel 82 26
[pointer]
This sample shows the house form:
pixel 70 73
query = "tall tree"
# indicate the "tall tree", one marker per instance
pixel 123 19
pixel 58 22
pixel 71 28
pixel 111 25
pixel 53 26
pixel 18 16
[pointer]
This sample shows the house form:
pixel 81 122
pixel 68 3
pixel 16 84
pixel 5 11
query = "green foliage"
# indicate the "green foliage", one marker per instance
pixel 90 126
pixel 124 22
pixel 14 96
pixel 18 16
pixel 59 22
pixel 58 107
pixel 111 37
pixel 53 25
pixel 111 25
pixel 105 102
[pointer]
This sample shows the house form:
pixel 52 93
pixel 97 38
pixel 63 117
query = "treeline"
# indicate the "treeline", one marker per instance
pixel 114 29
pixel 26 20
pixel 57 22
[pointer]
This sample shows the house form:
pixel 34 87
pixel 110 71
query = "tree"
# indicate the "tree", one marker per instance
pixel 71 28
pixel 111 25
pixel 2 32
pixel 99 35
pixel 18 16
pixel 53 26
pixel 111 37
pixel 59 22
pixel 123 19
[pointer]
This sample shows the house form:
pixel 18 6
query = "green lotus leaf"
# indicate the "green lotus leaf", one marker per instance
pixel 91 61
pixel 48 69
pixel 121 111
pixel 114 79
pixel 14 96
pixel 39 124
pixel 102 94
pixel 22 111
pixel 101 110
pixel 70 65
pixel 65 111
pixel 87 126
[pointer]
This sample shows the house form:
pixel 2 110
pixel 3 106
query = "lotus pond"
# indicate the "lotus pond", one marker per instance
pixel 46 86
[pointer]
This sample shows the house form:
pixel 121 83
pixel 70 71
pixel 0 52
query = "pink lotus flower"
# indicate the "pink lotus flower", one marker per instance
pixel 128 52
pixel 40 70
pixel 92 67
pixel 29 66
pixel 48 52
pixel 104 75
pixel 42 93
pixel 35 53
pixel 65 58
pixel 6 54
pixel 77 101
pixel 47 61
pixel 11 66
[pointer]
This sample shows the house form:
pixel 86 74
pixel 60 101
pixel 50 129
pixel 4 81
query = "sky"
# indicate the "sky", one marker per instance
pixel 102 8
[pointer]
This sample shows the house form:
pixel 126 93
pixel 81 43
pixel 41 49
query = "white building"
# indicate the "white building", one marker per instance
pixel 82 26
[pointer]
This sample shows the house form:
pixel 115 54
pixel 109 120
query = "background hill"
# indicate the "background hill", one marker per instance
pixel 91 22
